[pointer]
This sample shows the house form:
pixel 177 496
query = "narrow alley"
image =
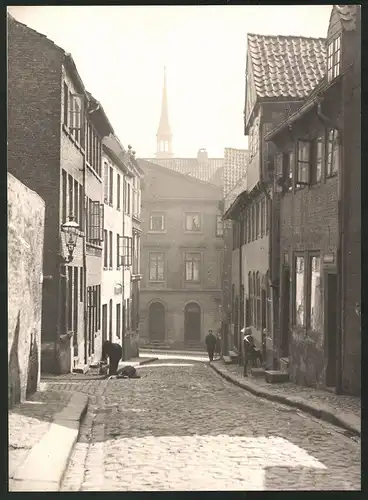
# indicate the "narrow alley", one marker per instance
pixel 182 427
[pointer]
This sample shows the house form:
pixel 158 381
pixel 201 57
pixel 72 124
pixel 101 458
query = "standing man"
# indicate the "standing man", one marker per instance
pixel 210 341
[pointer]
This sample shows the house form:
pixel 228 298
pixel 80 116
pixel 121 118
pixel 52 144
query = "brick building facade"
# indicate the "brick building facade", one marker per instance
pixel 182 251
pixel 55 129
pixel 318 158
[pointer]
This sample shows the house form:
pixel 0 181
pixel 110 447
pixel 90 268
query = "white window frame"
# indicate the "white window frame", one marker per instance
pixel 153 215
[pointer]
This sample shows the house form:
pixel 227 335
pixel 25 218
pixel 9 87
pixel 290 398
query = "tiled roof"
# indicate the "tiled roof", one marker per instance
pixel 347 15
pixel 191 166
pixel 235 167
pixel 286 66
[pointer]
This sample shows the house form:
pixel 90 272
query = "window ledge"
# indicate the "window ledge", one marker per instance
pixel 156 232
pixel 156 281
pixel 93 245
pixel 192 232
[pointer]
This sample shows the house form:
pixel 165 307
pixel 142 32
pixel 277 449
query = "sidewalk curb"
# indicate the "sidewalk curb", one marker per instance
pixel 45 465
pixel 346 421
pixel 147 361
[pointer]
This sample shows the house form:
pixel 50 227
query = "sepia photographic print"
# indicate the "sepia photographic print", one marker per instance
pixel 184 248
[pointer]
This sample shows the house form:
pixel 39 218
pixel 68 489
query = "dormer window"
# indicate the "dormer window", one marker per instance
pixel 334 59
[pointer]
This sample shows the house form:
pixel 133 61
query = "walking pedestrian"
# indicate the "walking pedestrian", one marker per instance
pixel 218 345
pixel 114 352
pixel 210 341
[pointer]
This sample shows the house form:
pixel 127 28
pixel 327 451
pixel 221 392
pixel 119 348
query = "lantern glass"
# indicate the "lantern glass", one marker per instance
pixel 71 229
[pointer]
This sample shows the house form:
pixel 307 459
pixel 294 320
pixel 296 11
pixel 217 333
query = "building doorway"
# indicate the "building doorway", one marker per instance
pixel 263 321
pixel 192 322
pixel 157 321
pixel 330 327
pixel 285 311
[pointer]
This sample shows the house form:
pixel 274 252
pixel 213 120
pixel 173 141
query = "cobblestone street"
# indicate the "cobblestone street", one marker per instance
pixel 182 427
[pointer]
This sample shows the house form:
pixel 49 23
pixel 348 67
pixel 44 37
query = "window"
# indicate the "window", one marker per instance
pixel 299 292
pixel 76 202
pixel 219 226
pixel 76 303
pixel 105 249
pixel 157 222
pixel 81 215
pixel 303 163
pixel 316 298
pixel 70 191
pixel 110 320
pixel 66 104
pixel 156 266
pixel 118 259
pixel 267 204
pixel 248 225
pixel 289 160
pixel 334 59
pixel 333 153
pixel 94 221
pixel 258 301
pixel 81 285
pixel 320 155
pixel 110 249
pixel 64 196
pixel 118 320
pixel 111 187
pixel 192 266
pixel 98 307
pixel 262 219
pixel 257 220
pixel 125 251
pixel 192 221
pixel 106 182
pixel 70 298
pixel 118 192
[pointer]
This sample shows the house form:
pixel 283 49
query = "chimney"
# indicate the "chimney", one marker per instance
pixel 202 155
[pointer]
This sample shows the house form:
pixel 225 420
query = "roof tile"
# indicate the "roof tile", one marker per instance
pixel 286 66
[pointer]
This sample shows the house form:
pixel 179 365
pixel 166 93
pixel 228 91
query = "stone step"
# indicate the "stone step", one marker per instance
pixel 276 376
pixel 227 360
pixel 258 372
pixel 233 354
pixel 81 369
pixel 284 365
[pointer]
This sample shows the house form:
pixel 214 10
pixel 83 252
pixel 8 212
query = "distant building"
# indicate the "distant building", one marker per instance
pixel 202 168
pixel 182 252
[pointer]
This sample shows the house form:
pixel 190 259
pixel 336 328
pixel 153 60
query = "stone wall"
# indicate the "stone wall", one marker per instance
pixel 26 216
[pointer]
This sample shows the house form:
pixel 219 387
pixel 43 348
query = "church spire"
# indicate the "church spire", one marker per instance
pixel 164 136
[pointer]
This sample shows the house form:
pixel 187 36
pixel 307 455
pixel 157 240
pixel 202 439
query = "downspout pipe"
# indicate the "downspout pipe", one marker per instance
pixel 123 280
pixel 339 252
pixel 83 218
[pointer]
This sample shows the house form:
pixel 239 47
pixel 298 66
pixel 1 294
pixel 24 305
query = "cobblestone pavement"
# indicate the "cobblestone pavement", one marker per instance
pixel 339 403
pixel 183 427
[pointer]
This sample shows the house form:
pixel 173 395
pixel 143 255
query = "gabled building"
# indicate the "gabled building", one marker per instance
pixel 317 177
pixel 182 252
pixel 202 168
pixel 280 72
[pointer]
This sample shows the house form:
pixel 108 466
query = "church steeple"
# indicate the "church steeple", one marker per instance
pixel 164 135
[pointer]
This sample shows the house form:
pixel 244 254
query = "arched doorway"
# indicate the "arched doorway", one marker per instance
pixel 192 322
pixel 157 321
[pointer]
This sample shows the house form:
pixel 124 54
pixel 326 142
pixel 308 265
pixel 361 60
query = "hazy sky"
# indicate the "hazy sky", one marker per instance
pixel 120 53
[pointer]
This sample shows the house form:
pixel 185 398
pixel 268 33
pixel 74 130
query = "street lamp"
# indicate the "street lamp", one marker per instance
pixel 71 230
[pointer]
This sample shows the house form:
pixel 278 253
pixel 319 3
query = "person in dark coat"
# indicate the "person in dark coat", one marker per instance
pixel 114 352
pixel 210 341
pixel 218 345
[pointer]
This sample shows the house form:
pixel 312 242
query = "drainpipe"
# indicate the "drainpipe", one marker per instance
pixel 241 301
pixel 84 237
pixel 340 247
pixel 123 279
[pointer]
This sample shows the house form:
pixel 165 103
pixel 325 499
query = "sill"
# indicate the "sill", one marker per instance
pixel 192 281
pixel 94 245
pixel 156 281
pixel 156 232
pixel 93 171
pixel 193 232
pixel 137 218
